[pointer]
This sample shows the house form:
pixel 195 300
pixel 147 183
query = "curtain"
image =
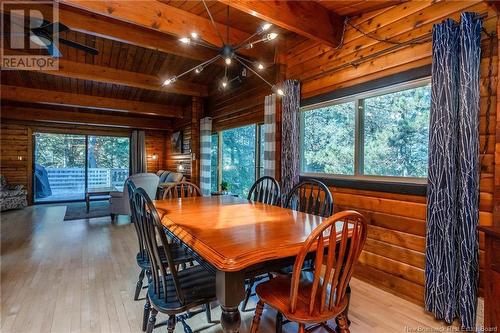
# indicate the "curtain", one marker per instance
pixel 138 152
pixel 453 179
pixel 290 150
pixel 205 155
pixel 270 136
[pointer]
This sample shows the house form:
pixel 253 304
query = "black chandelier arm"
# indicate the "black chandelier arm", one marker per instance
pixel 238 58
pixel 244 42
pixel 213 22
pixel 202 65
pixel 201 42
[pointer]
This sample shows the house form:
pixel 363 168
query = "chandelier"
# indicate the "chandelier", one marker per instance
pixel 229 53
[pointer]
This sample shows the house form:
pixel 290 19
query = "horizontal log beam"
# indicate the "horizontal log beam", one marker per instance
pixel 30 95
pixel 125 78
pixel 306 18
pixel 161 17
pixel 82 118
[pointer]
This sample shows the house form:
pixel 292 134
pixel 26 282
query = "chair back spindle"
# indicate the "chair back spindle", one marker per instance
pixel 156 241
pixel 265 190
pixel 312 197
pixel 338 242
pixel 129 184
pixel 181 190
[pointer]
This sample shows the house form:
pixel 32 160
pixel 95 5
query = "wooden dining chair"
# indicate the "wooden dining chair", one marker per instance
pixel 312 197
pixel 181 189
pixel 318 296
pixel 266 190
pixel 171 291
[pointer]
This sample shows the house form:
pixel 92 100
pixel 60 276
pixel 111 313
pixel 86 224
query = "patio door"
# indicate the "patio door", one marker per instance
pixel 66 165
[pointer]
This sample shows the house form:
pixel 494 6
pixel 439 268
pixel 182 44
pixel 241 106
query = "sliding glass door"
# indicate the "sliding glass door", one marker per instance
pixel 59 170
pixel 66 165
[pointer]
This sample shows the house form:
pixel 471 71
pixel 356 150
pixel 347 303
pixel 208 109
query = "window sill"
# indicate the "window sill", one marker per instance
pixel 411 186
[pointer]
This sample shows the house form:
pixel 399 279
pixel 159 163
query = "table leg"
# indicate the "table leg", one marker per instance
pixel 87 202
pixel 230 290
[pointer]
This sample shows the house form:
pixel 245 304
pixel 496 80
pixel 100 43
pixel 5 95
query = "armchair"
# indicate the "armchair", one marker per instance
pixel 12 196
pixel 119 202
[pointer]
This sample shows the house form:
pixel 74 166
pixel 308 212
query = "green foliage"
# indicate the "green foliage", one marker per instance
pixel 396 131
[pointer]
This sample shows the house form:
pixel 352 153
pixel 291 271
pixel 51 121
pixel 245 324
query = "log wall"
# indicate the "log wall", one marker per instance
pixel 394 254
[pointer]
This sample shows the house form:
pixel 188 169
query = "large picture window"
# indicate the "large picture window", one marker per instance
pixel 383 133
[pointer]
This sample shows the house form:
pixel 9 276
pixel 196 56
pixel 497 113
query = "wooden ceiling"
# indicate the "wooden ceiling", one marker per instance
pixel 138 52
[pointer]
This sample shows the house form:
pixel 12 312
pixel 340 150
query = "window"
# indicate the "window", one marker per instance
pixel 383 133
pixel 238 159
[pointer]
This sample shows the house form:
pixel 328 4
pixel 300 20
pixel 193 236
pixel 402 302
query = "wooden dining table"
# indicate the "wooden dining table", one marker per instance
pixel 238 238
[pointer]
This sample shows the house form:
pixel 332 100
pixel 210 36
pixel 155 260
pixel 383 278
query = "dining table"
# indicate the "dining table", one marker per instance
pixel 238 239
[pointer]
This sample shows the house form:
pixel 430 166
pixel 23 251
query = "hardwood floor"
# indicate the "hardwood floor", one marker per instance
pixel 79 276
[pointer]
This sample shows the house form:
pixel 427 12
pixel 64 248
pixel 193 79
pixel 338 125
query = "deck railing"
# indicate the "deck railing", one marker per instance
pixel 63 180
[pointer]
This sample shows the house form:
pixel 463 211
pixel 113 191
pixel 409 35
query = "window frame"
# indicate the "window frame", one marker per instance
pixel 359 137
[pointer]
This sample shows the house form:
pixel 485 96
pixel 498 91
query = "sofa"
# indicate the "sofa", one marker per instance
pixel 167 177
pixel 119 203
pixel 12 196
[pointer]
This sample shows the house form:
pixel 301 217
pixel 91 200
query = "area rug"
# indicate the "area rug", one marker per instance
pixel 78 211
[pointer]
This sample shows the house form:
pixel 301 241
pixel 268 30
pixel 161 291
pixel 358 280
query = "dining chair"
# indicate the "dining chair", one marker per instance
pixel 320 295
pixel 171 291
pixel 180 256
pixel 310 196
pixel 266 190
pixel 181 189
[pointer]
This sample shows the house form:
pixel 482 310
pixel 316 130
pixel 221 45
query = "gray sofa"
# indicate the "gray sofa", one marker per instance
pixel 12 196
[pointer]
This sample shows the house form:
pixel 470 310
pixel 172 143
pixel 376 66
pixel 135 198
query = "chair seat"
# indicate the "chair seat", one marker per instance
pixel 197 286
pixel 179 255
pixel 276 293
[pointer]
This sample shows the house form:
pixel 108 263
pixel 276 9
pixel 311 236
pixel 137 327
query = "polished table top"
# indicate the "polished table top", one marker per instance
pixel 233 233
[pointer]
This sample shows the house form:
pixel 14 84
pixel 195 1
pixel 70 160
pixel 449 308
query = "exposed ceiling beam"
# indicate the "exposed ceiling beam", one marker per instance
pixel 30 95
pixel 306 18
pixel 161 17
pixel 81 118
pixel 83 71
pixel 106 27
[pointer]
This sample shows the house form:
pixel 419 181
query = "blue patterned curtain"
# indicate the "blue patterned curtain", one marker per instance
pixel 453 182
pixel 290 131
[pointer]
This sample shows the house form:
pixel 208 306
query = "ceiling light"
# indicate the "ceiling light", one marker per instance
pixel 228 61
pixel 260 66
pixel 272 36
pixel 194 35
pixel 169 81
pixel 280 92
pixel 266 26
pixel 186 40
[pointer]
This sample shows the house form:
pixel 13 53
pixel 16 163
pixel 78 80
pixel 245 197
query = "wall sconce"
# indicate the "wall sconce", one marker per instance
pixel 180 168
pixel 154 157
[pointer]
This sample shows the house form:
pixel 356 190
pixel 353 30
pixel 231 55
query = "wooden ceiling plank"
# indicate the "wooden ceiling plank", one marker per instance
pixel 83 118
pixel 161 17
pixel 306 18
pixel 126 78
pixel 30 95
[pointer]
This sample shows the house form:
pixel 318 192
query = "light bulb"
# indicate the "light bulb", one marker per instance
pixel 266 26
pixel 260 66
pixel 280 92
pixel 169 81
pixel 250 46
pixel 198 69
pixel 224 82
pixel 272 36
pixel 194 35
pixel 185 40
pixel 228 61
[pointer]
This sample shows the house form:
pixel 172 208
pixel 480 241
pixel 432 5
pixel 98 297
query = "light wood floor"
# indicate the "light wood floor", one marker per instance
pixel 79 276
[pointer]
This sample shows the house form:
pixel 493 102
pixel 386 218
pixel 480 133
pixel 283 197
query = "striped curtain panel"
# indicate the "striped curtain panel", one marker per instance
pixel 205 155
pixel 453 181
pixel 290 150
pixel 270 136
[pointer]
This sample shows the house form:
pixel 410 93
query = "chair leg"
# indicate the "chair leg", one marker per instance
pixel 208 312
pixel 152 320
pixel 302 328
pixel 256 317
pixel 172 320
pixel 342 324
pixel 138 286
pixel 248 293
pixel 147 310
pixel 279 322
